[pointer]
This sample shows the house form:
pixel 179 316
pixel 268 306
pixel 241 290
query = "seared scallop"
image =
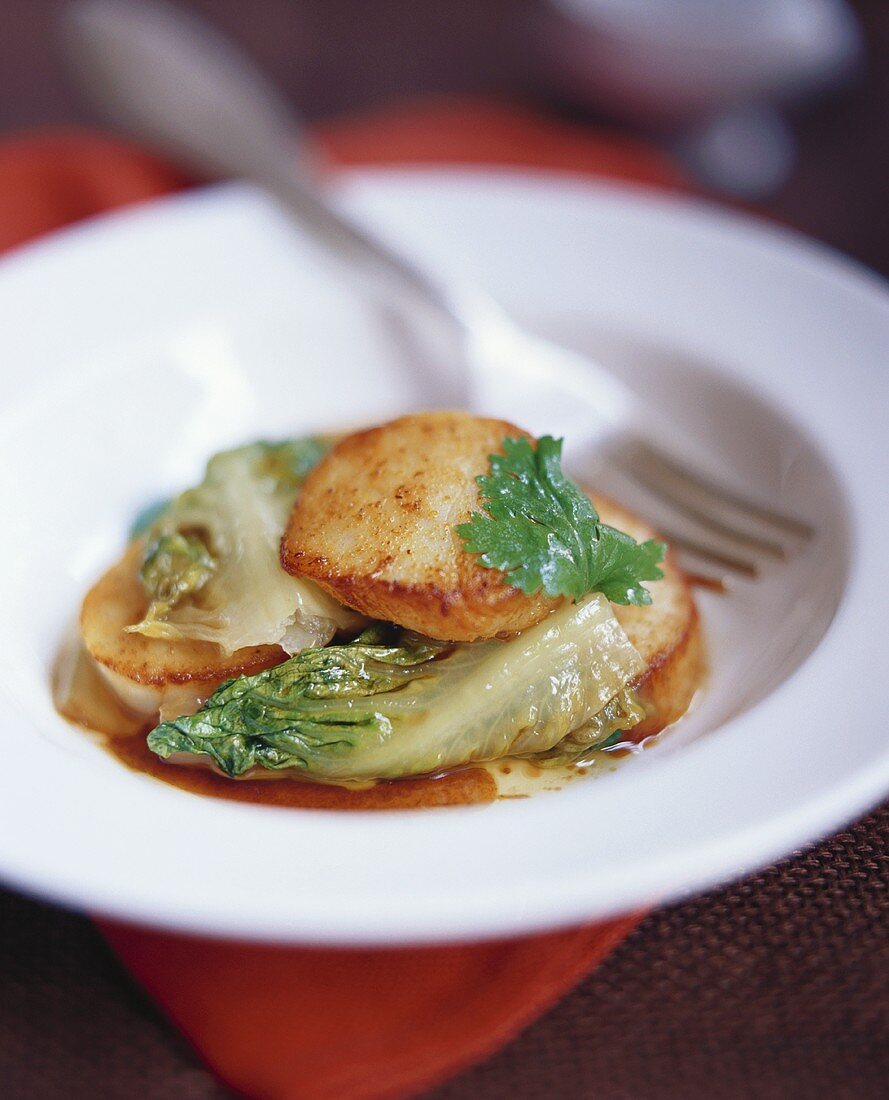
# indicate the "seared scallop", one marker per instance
pixel 374 527
pixel 145 671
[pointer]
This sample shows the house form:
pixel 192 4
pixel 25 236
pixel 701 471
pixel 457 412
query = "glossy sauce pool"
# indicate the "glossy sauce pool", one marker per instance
pixel 82 696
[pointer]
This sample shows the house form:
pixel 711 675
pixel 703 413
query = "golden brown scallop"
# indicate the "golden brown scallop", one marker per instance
pixel 145 670
pixel 374 527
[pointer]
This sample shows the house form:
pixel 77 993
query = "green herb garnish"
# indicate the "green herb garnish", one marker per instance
pixel 543 532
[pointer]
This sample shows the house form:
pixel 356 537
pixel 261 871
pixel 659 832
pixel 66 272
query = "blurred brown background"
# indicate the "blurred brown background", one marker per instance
pixel 337 56
pixel 775 987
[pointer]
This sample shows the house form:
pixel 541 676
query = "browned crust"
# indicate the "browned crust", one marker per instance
pixel 673 676
pixel 117 600
pixel 368 481
pixel 493 607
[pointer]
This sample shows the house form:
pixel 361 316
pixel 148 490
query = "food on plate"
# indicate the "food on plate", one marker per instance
pixel 412 600
pixel 199 595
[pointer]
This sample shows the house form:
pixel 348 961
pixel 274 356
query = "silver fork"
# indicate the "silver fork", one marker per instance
pixel 172 81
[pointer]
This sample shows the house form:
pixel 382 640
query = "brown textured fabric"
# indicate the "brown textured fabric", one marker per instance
pixel 775 987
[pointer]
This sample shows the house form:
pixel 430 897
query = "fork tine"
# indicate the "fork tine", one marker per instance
pixel 616 478
pixel 664 489
pixel 710 553
pixel 680 478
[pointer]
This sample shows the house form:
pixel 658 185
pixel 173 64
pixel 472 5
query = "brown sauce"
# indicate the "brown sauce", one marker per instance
pixel 456 789
pixel 82 697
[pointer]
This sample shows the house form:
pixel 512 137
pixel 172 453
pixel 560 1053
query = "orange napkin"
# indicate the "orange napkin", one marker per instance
pixel 283 1023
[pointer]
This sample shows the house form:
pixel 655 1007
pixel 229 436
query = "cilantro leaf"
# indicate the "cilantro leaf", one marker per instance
pixel 542 531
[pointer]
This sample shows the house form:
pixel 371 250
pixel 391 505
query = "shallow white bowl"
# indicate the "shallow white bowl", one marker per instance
pixel 135 345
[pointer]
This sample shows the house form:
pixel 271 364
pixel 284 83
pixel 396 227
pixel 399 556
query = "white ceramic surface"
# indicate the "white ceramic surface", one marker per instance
pixel 137 344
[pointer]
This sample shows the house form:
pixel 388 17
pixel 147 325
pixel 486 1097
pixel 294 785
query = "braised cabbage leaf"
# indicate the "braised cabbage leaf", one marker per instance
pixel 211 566
pixel 395 704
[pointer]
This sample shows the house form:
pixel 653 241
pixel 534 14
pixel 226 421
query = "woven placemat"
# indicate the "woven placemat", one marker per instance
pixel 775 987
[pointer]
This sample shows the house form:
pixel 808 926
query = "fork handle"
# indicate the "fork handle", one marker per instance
pixel 172 81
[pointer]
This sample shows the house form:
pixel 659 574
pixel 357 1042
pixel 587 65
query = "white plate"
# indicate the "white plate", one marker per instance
pixel 135 345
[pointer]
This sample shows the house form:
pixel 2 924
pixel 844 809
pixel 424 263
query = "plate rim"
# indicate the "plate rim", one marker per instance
pixel 829 811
